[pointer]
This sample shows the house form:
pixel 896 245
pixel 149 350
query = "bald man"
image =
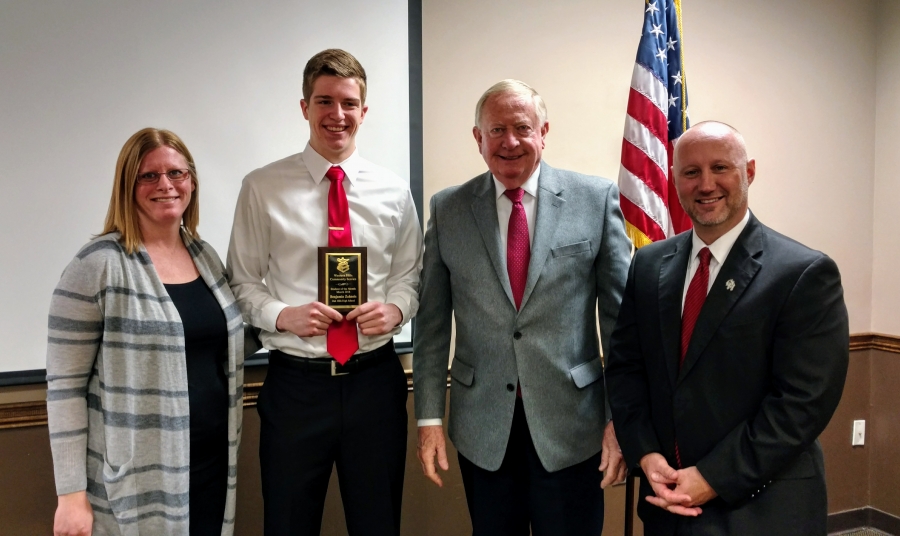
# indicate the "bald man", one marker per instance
pixel 728 360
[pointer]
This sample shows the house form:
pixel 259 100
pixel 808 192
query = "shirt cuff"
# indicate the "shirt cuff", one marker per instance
pixel 404 310
pixel 430 422
pixel 268 315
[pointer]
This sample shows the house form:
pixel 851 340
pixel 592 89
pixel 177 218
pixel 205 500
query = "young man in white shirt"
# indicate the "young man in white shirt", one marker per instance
pixel 315 412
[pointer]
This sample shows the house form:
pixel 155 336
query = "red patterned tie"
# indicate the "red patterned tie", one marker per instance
pixel 693 302
pixel 518 251
pixel 342 338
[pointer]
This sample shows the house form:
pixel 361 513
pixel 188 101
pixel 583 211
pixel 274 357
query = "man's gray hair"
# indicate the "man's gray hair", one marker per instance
pixel 516 87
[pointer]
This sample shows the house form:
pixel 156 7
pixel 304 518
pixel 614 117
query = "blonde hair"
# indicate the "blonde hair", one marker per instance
pixel 122 215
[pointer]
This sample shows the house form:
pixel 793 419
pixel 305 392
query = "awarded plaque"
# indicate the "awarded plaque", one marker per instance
pixel 343 281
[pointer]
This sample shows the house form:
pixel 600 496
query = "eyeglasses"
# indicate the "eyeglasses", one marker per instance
pixel 174 175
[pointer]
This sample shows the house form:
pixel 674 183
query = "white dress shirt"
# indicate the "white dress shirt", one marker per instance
pixel 719 250
pixel 504 211
pixel 282 218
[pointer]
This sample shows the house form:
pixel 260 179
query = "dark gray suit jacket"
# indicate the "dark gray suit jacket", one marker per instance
pixel 579 261
pixel 762 376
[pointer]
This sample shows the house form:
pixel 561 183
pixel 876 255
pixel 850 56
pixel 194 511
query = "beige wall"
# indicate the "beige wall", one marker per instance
pixel 885 283
pixel 797 78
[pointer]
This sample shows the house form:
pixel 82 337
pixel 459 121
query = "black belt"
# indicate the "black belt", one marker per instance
pixel 327 365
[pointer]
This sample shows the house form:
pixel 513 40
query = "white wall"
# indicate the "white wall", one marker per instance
pixel 886 231
pixel 797 78
pixel 78 78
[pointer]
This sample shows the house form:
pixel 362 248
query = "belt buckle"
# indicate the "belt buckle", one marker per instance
pixel 334 371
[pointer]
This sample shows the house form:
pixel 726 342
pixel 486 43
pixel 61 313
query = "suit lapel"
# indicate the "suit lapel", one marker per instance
pixel 740 268
pixel 672 272
pixel 484 210
pixel 549 204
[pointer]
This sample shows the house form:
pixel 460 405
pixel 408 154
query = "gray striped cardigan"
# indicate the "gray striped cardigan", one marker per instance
pixel 117 393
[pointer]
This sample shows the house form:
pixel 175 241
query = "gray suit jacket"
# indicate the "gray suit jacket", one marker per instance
pixel 579 263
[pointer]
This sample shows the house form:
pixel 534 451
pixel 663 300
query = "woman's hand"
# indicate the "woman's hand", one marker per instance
pixel 74 516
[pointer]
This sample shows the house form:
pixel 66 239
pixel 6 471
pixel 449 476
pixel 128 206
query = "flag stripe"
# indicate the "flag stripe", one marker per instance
pixel 641 162
pixel 641 137
pixel 642 196
pixel 647 84
pixel 643 222
pixel 643 111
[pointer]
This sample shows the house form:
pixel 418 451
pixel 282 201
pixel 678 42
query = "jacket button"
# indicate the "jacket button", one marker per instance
pixel 517 335
pixel 510 387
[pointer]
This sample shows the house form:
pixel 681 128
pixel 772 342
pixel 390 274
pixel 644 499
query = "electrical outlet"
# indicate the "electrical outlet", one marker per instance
pixel 859 434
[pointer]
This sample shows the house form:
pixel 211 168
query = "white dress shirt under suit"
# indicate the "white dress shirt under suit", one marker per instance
pixel 719 252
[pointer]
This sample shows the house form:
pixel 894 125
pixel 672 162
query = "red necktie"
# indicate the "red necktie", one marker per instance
pixel 518 251
pixel 693 302
pixel 342 338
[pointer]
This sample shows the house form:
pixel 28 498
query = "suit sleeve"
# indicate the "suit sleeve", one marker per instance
pixel 809 359
pixel 431 351
pixel 629 392
pixel 611 271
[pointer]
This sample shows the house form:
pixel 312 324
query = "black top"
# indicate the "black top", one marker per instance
pixel 206 348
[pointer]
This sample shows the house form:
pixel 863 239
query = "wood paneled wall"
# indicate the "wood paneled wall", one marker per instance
pixel 857 476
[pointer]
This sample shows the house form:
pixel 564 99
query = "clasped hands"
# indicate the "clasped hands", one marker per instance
pixel 679 491
pixel 313 319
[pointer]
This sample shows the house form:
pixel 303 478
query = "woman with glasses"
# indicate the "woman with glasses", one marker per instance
pixel 145 362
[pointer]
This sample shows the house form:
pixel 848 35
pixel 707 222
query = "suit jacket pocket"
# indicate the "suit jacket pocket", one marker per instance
pixel 587 372
pixel 462 372
pixel 571 249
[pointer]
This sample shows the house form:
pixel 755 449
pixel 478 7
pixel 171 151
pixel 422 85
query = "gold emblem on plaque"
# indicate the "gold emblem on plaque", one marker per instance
pixel 343 265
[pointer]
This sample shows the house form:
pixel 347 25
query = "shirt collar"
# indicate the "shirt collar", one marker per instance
pixel 722 246
pixel 530 186
pixel 317 165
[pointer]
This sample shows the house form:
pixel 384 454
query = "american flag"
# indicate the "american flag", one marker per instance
pixel 657 116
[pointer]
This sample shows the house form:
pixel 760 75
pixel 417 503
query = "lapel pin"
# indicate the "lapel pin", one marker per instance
pixel 729 284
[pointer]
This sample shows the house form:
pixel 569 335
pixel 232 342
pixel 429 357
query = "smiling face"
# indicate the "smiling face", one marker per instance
pixel 510 138
pixel 335 111
pixel 712 176
pixel 161 205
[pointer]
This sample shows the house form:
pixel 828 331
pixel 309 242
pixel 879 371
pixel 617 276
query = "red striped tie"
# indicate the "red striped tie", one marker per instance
pixel 342 339
pixel 693 302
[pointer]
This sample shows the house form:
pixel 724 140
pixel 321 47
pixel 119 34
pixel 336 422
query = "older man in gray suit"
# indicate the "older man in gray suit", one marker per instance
pixel 526 257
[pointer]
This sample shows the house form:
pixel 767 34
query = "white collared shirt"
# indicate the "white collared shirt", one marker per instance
pixel 505 206
pixel 282 218
pixel 719 249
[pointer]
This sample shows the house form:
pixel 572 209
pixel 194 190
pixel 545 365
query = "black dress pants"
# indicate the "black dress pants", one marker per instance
pixel 522 494
pixel 311 421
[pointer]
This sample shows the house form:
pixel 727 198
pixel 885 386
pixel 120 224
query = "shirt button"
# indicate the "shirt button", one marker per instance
pixel 517 335
pixel 510 387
